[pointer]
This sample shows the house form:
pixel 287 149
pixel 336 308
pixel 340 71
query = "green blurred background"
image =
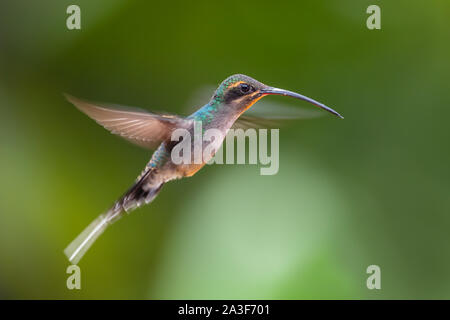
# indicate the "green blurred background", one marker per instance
pixel 370 189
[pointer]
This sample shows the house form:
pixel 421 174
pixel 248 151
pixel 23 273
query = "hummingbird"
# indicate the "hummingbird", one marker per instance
pixel 235 95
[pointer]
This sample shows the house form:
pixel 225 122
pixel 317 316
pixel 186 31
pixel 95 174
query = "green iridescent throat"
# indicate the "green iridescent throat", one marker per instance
pixel 207 113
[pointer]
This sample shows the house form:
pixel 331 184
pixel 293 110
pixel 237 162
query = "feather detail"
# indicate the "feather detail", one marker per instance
pixel 142 128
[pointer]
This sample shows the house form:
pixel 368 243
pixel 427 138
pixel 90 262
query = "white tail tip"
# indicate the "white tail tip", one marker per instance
pixel 78 247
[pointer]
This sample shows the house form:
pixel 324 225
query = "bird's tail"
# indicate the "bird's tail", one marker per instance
pixel 78 247
pixel 141 192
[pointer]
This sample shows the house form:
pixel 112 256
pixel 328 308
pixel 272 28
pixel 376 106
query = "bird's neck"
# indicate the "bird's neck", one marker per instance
pixel 216 115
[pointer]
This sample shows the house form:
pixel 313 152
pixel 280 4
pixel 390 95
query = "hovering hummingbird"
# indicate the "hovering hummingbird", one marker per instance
pixel 233 97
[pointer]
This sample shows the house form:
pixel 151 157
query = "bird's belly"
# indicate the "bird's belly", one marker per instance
pixel 188 170
pixel 172 171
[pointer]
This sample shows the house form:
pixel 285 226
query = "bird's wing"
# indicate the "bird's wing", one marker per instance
pixel 244 122
pixel 142 128
pixel 265 114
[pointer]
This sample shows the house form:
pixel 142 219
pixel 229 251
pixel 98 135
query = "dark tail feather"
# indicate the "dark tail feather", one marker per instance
pixel 141 192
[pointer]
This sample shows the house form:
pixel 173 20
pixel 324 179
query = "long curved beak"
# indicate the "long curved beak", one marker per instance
pixel 282 92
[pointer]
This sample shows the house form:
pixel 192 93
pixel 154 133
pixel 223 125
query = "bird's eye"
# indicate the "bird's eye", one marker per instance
pixel 244 87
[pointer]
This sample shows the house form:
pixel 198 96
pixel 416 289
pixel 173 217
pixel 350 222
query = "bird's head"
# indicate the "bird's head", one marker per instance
pixel 241 92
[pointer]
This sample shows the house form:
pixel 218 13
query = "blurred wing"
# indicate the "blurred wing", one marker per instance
pixel 199 97
pixel 245 122
pixel 266 114
pixel 142 128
